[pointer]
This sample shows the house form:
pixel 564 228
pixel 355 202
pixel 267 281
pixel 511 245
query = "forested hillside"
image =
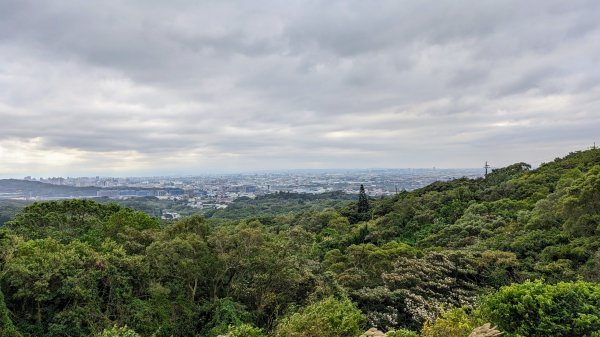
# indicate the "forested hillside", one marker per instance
pixel 516 252
pixel 280 203
pixel 152 206
pixel 10 208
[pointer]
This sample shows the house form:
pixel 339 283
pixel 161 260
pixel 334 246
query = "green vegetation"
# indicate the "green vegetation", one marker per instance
pixel 10 208
pixel 537 309
pixel 329 317
pixel 6 326
pixel 280 203
pixel 246 330
pixel 153 205
pixel 118 332
pixel 363 201
pixel 517 252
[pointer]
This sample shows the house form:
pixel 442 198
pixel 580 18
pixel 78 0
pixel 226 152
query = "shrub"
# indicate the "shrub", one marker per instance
pixel 246 330
pixel 328 318
pixel 401 333
pixel 537 309
pixel 116 331
pixel 452 323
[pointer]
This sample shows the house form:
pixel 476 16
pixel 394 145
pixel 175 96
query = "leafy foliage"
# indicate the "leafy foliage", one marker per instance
pixel 445 260
pixel 6 325
pixel 538 309
pixel 246 330
pixel 280 203
pixel 401 333
pixel 118 332
pixel 328 318
pixel 452 323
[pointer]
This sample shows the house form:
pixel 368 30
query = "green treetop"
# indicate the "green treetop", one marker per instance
pixel 363 201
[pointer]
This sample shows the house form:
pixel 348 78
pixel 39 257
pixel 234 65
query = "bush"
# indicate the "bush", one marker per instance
pixel 328 318
pixel 401 333
pixel 116 331
pixel 245 330
pixel 453 323
pixel 536 309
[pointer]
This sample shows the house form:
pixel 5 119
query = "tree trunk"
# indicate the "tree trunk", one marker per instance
pixel 38 314
pixel 194 289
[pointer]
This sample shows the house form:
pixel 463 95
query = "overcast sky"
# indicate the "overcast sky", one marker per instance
pixel 183 87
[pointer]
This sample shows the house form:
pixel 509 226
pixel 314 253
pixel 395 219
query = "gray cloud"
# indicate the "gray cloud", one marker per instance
pixel 143 87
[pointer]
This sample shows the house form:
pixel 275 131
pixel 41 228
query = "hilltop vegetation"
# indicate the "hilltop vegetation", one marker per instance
pixel 519 249
pixel 280 203
pixel 150 205
pixel 10 208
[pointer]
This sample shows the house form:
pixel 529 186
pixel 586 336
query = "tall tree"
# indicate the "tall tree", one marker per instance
pixel 363 201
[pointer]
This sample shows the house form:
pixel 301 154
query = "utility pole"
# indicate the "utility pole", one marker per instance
pixel 486 167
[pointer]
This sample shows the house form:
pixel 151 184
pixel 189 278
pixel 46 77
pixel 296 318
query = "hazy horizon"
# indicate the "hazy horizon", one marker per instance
pixel 147 88
pixel 266 171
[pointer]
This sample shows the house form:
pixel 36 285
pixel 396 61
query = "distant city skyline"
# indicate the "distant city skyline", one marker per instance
pixel 222 189
pixel 252 172
pixel 145 88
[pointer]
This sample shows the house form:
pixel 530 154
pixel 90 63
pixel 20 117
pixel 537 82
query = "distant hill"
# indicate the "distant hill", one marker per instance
pixel 10 208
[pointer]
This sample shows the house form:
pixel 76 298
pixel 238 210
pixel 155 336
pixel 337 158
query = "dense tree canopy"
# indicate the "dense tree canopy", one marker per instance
pixel 443 260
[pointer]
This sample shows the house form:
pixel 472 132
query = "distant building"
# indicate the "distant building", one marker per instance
pixel 170 215
pixel 145 193
pixel 175 191
pixel 127 193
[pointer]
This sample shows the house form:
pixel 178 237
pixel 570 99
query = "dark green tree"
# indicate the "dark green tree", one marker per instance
pixel 6 326
pixel 363 201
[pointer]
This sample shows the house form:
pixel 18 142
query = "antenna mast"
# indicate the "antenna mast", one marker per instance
pixel 486 167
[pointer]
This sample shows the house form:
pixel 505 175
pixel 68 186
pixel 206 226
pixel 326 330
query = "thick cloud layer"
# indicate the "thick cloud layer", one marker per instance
pixel 182 87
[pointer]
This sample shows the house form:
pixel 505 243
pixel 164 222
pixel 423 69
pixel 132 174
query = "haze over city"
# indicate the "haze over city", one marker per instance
pixel 124 88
